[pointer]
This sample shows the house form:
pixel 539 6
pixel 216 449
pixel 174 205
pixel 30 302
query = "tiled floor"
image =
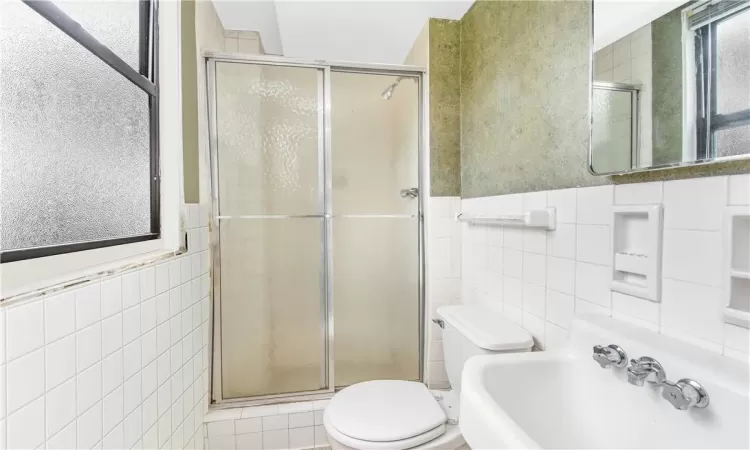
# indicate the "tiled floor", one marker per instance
pixel 269 427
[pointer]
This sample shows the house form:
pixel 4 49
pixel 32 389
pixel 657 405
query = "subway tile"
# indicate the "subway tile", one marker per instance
pixel 88 346
pixel 534 269
pixel 739 189
pixel 89 387
pixel 148 348
pixel 131 290
pixel 695 203
pixel 162 307
pixel 112 410
pixel 88 305
pixel 60 361
pixel 564 201
pixel 594 205
pixel 512 263
pixel 90 427
pixel 249 441
pixel 59 316
pixel 512 292
pixel 111 334
pixel 132 428
pixel 302 437
pixel 533 299
pixel 25 427
pixel 114 439
pixel 512 238
pixel 321 437
pixel 301 419
pixel 131 361
pixel 693 256
pixel 535 241
pixel 161 278
pixel 131 324
pixel 151 438
pixel 635 310
pixel 593 244
pixel 147 280
pixel 277 422
pixel 174 273
pixel 148 315
pixel 149 379
pixel 252 425
pixel 132 395
pixel 288 408
pixel 65 439
pixel 184 269
pixel 165 429
pixel 561 275
pixel 582 307
pixel 111 296
pixel 221 443
pixel 692 309
pixel 25 379
pixel 736 338
pixel 25 328
pixel 112 372
pixel 592 283
pixel 639 193
pixel 559 308
pixel 562 241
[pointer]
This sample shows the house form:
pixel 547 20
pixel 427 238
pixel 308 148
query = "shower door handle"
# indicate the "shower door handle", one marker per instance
pixel 409 193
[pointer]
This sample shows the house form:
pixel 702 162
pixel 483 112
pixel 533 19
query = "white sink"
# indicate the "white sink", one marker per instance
pixel 563 399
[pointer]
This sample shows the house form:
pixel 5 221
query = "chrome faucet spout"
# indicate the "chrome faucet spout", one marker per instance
pixel 646 369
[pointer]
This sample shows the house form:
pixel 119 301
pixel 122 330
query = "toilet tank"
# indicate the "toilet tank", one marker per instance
pixel 477 330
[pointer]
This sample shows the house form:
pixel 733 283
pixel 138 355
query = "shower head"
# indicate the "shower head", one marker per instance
pixel 388 92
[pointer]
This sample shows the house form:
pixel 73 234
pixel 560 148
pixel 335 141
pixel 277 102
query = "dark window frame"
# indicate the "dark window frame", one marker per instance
pixel 146 77
pixel 708 120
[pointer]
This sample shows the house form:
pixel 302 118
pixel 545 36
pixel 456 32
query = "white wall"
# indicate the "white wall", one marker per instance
pixel 541 279
pixel 121 362
pixel 614 19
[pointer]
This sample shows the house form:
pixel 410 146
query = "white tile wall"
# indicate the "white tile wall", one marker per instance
pixel 284 426
pixel 542 290
pixel 81 368
pixel 443 278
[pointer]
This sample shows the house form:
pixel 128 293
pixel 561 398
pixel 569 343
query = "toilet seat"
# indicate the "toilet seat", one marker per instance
pixel 384 414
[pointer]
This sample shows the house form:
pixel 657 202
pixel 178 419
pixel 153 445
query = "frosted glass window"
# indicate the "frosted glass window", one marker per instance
pixel 74 147
pixel 733 63
pixel 113 23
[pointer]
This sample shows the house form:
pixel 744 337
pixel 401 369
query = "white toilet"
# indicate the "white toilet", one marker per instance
pixel 399 415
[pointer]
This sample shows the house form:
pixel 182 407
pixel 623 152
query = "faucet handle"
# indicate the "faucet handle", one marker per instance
pixel 611 355
pixel 685 393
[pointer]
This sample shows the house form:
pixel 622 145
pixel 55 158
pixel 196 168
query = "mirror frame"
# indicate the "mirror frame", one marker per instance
pixel 590 159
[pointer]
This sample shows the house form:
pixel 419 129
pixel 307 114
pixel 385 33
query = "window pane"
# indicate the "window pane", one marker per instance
pixel 113 23
pixel 733 141
pixel 75 140
pixel 733 63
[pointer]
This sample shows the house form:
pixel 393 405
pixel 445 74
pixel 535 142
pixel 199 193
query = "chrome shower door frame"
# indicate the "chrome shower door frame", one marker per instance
pixel 325 195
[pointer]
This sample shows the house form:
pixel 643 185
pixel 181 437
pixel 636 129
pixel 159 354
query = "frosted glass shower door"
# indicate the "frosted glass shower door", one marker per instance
pixel 268 124
pixel 375 206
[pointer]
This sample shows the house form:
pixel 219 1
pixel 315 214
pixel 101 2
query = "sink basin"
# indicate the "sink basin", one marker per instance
pixel 563 399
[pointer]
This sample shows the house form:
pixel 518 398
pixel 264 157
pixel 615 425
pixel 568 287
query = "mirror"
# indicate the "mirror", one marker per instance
pixel 671 84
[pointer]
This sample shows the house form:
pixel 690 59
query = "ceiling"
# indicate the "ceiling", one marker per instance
pixel 354 30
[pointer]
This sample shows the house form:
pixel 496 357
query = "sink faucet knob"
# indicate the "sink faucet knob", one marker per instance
pixel 611 355
pixel 648 369
pixel 685 393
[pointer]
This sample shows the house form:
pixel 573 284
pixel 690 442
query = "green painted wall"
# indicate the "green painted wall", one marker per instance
pixel 190 176
pixel 524 97
pixel 445 107
pixel 666 66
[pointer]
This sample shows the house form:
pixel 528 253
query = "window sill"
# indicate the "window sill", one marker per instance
pixel 31 278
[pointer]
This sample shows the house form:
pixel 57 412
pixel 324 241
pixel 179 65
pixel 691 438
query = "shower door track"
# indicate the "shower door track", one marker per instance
pixel 327 300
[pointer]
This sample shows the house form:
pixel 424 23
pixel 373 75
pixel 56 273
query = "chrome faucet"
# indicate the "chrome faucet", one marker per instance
pixel 611 355
pixel 685 393
pixel 648 369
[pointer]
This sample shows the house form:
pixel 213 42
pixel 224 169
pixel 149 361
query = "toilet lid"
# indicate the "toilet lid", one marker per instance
pixel 384 410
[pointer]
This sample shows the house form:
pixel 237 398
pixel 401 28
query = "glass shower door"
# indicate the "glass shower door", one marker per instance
pixel 269 181
pixel 375 207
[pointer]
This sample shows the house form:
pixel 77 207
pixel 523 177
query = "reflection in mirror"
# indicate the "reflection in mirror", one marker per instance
pixel 671 84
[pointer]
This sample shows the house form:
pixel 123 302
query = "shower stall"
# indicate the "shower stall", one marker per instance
pixel 317 231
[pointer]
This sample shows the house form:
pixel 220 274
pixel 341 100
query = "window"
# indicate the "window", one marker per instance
pixel 722 62
pixel 79 165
